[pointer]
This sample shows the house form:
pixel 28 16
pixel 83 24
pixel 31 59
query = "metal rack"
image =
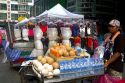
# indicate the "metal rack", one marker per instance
pixel 28 76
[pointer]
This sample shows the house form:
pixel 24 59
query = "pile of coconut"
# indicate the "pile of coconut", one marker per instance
pixel 46 66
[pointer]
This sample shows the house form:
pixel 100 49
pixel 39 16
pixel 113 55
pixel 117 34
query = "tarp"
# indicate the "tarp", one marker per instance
pixel 60 12
pixel 22 22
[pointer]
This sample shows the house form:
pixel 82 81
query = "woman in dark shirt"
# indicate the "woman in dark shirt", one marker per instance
pixel 115 62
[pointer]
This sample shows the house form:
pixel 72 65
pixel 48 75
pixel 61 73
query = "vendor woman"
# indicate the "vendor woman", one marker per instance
pixel 115 62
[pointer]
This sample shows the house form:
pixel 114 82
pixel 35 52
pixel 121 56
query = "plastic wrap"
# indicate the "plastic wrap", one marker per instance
pixel 52 33
pixel 36 53
pixel 17 34
pixel 66 42
pixel 38 34
pixel 51 43
pixel 82 32
pixel 25 34
pixel 38 44
pixel 66 32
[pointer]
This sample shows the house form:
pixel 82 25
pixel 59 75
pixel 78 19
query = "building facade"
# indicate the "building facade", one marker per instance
pixel 10 10
pixel 85 7
pixel 93 8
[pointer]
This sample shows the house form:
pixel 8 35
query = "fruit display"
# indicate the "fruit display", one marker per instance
pixel 49 66
pixel 60 50
pixel 46 66
pixel 66 52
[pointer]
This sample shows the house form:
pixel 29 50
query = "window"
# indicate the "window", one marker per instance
pixel 3 16
pixel 29 1
pixel 25 15
pixel 26 1
pixel 14 7
pixel 14 16
pixel 22 8
pixel 3 6
pixel 14 0
pixel 28 8
pixel 71 3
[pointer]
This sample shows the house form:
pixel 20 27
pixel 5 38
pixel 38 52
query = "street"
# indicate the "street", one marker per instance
pixel 8 74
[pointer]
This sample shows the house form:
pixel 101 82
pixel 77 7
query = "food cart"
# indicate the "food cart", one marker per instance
pixel 28 74
pixel 62 62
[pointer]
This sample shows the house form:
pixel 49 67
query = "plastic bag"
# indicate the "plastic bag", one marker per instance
pixel 36 53
pixel 99 52
pixel 38 44
pixel 17 34
pixel 66 32
pixel 38 34
pixel 52 33
pixel 25 34
pixel 64 42
pixel 51 43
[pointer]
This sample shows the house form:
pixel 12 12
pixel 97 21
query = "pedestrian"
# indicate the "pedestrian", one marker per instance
pixel 114 63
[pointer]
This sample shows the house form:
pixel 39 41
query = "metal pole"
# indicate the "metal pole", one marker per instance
pixel 11 40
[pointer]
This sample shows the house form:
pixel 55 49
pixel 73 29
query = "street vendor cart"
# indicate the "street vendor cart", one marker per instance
pixel 29 74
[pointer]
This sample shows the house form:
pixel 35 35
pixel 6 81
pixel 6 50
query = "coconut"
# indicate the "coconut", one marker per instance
pixel 56 72
pixel 40 68
pixel 39 58
pixel 50 75
pixel 55 65
pixel 50 60
pixel 43 60
pixel 72 53
pixel 45 72
pixel 46 66
pixel 50 68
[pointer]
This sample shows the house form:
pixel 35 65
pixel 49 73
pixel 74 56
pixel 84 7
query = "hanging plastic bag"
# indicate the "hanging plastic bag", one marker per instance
pixel 36 53
pixel 38 34
pixel 66 32
pixel 38 44
pixel 64 42
pixel 99 52
pixel 25 34
pixel 52 34
pixel 51 43
pixel 17 34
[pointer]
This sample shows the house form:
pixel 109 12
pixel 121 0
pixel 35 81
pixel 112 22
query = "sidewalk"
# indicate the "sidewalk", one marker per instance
pixel 7 74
